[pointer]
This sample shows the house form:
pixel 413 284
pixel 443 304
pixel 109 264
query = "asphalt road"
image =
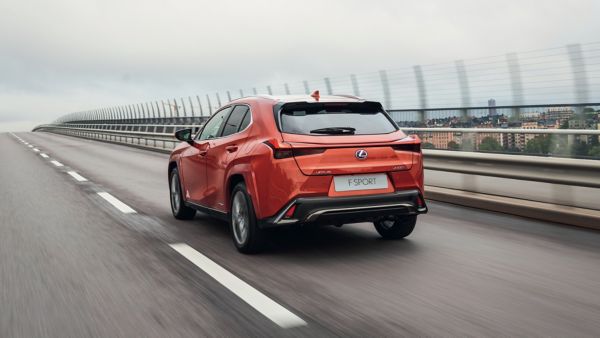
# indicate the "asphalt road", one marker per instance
pixel 73 265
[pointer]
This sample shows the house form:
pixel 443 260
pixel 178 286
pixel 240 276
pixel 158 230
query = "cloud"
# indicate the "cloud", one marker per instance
pixel 69 55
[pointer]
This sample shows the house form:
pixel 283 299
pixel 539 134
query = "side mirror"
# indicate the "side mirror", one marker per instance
pixel 184 135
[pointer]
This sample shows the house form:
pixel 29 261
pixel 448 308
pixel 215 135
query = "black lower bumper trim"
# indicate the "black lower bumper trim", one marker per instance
pixel 340 210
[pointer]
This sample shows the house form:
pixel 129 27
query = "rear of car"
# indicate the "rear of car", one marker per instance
pixel 349 162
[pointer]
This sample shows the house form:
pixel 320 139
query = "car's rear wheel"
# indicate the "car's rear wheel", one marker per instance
pixel 247 236
pixel 178 207
pixel 395 227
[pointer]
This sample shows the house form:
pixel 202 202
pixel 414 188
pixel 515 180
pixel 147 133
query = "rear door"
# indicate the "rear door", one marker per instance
pixel 345 138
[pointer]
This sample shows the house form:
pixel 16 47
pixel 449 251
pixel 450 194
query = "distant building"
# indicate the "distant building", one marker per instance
pixel 492 107
pixel 560 113
pixel 439 140
pixel 577 124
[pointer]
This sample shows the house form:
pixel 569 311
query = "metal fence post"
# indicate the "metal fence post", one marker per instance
pixel 306 87
pixel 328 86
pixel 218 100
pixel 170 109
pixel 148 109
pixel 422 91
pixel 209 105
pixel 385 85
pixel 176 107
pixel 355 87
pixel 183 105
pixel 191 106
pixel 465 91
pixel 199 106
pixel 228 96
pixel 269 90
pixel 580 81
pixel 287 88
pixel 142 111
pixel 516 85
pixel 157 109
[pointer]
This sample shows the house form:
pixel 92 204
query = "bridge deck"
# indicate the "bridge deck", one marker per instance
pixel 72 264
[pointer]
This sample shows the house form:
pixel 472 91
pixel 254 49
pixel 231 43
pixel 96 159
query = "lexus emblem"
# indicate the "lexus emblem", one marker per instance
pixel 361 154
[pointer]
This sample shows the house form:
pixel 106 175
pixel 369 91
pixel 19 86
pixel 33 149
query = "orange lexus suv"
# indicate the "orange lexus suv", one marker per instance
pixel 269 161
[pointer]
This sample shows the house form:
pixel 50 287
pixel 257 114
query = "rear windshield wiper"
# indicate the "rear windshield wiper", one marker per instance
pixel 334 130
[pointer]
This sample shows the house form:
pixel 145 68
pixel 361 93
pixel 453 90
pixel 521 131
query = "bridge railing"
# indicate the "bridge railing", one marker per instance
pixel 565 143
pixel 543 179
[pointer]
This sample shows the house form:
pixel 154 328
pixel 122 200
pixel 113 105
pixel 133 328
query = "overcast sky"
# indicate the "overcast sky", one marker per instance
pixel 62 56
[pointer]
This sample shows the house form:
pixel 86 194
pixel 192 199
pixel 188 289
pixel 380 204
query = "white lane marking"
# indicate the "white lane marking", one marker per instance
pixel 263 304
pixel 124 208
pixel 77 176
pixel 36 150
pixel 56 163
pixel 44 155
pixel 30 146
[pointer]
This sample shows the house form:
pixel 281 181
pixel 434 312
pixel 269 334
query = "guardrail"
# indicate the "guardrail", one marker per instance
pixel 152 136
pixel 566 175
pixel 575 172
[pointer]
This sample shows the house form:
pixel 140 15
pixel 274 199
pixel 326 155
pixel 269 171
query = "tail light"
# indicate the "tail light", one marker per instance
pixel 414 147
pixel 290 212
pixel 278 151
pixel 308 151
pixel 281 152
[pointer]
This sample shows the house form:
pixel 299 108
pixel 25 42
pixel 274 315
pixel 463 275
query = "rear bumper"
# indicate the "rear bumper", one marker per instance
pixel 340 210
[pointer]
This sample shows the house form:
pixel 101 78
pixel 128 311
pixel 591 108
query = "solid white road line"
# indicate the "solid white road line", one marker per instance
pixel 124 208
pixel 56 163
pixel 44 155
pixel 263 304
pixel 77 176
pixel 36 150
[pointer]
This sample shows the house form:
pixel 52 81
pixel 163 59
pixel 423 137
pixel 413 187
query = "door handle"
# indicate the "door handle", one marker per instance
pixel 202 152
pixel 231 149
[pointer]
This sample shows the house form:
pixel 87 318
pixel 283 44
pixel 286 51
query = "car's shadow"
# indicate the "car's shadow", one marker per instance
pixel 313 242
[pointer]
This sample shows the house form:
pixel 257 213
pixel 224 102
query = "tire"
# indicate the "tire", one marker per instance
pixel 395 227
pixel 247 236
pixel 178 207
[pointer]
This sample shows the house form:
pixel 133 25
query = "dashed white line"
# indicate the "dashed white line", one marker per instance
pixel 124 208
pixel 77 177
pixel 263 304
pixel 30 146
pixel 36 150
pixel 44 155
pixel 56 163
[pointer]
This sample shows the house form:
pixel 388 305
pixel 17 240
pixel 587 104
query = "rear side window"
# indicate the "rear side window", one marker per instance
pixel 246 120
pixel 365 118
pixel 236 117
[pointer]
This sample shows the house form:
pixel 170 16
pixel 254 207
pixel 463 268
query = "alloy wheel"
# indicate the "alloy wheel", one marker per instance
pixel 240 218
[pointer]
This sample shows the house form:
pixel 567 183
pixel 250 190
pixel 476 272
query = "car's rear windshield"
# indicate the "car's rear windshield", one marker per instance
pixel 365 118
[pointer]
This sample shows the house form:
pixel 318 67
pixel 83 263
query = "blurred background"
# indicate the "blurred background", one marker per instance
pixel 70 56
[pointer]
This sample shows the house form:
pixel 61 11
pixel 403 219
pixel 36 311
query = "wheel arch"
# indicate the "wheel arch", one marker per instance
pixel 234 180
pixel 243 174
